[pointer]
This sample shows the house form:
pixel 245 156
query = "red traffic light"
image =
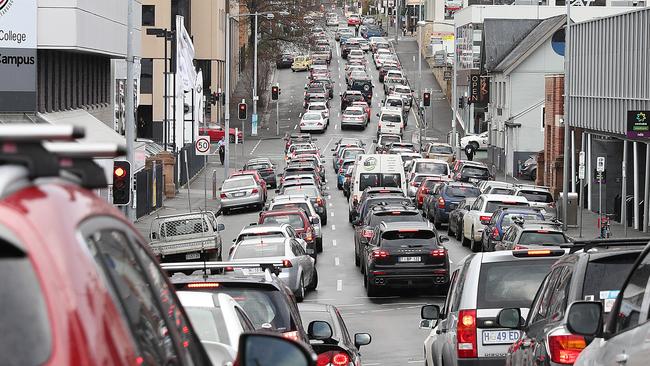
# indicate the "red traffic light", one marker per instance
pixel 242 107
pixel 119 172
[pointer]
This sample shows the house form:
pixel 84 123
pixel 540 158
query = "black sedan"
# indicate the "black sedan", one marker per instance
pixel 334 346
pixel 455 227
pixel 284 61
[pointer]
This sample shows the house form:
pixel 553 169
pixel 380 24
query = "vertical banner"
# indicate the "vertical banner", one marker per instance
pixel 18 40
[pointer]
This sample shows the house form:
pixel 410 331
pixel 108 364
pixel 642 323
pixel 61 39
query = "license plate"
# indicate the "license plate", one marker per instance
pixel 241 194
pixel 191 256
pixel 252 270
pixel 500 336
pixel 409 259
pixel 473 180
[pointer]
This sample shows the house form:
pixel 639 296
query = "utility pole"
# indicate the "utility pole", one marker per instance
pixel 254 116
pixel 567 132
pixel 226 158
pixel 397 18
pixel 130 108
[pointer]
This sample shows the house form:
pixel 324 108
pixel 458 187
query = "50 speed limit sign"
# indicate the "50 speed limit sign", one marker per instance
pixel 202 145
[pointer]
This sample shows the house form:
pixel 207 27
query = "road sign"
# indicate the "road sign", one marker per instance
pixel 581 158
pixel 600 164
pixel 202 145
pixel 581 172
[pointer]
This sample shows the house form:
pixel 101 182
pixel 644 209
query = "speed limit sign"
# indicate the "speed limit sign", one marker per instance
pixel 202 145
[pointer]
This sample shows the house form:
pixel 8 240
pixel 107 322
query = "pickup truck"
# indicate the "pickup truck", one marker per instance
pixel 193 236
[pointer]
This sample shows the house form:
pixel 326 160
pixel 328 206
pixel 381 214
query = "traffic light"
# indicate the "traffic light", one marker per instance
pixel 121 182
pixel 242 111
pixel 275 92
pixel 426 99
pixel 461 102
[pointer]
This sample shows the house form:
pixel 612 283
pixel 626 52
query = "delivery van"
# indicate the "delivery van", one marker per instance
pixel 375 170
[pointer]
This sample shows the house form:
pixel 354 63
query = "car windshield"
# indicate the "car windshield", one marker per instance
pixel 407 238
pixel 238 183
pixel 508 219
pixel 511 284
pixel 431 168
pixel 261 249
pixel 494 205
pixel 457 191
pixel 542 237
pixel 263 306
pixel 537 196
pixel 438 149
pixel 208 323
pixel 605 276
pixel 183 227
pixel 379 180
pixel 388 117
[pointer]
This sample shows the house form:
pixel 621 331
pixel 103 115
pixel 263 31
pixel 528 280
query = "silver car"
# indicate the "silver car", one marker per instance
pixel 265 231
pixel 298 270
pixel 303 202
pixel 241 192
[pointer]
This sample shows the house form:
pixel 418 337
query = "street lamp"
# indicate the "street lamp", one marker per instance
pixel 167 35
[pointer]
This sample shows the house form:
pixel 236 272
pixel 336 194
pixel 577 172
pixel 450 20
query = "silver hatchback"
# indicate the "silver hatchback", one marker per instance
pixel 241 191
pixel 298 270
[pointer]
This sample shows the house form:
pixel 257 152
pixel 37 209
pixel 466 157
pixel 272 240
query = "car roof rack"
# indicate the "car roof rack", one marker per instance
pixel 274 266
pixel 586 245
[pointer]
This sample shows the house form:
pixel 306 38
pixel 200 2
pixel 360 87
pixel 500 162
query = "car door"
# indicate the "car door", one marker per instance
pixel 472 216
pixel 303 260
pixel 435 341
pixel 628 344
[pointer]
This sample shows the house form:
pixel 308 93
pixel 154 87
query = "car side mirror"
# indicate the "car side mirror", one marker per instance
pixel 362 339
pixel 319 330
pixel 430 312
pixel 315 220
pixel 377 114
pixel 221 227
pixel 270 349
pixel 585 318
pixel 509 318
pixel 443 239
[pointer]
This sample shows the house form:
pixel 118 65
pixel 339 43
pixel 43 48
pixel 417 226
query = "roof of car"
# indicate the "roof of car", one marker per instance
pixel 297 211
pixel 314 307
pixel 290 197
pixel 503 197
pixel 263 227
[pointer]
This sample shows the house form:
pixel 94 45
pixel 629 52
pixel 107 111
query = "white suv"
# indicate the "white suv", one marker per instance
pixel 465 331
pixel 480 214
pixel 390 121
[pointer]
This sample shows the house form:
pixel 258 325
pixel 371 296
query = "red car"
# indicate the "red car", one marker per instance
pixel 216 133
pixel 354 19
pixel 81 288
pixel 297 219
pixel 255 174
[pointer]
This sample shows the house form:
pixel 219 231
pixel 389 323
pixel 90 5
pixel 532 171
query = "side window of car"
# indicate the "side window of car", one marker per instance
pixel 559 298
pixel 630 307
pixel 543 299
pixel 452 289
pixel 344 329
pixel 455 301
pixel 494 218
pixel 245 322
pixel 478 204
pixel 135 295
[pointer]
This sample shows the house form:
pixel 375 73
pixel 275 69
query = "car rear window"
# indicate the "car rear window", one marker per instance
pixel 238 183
pixel 293 205
pixel 501 191
pixel 507 218
pixel 258 166
pixel 379 180
pixel 391 117
pixel 462 191
pixel 431 168
pixel 605 276
pixel 208 324
pixel 511 284
pixel 397 216
pixel 476 171
pixel 263 306
pixel 352 154
pixel 537 196
pixel 541 237
pixel 408 239
pixel 494 205
pixel 437 149
pixel 294 220
pixel 385 140
pixel 309 191
pixel 23 315
pixel 259 250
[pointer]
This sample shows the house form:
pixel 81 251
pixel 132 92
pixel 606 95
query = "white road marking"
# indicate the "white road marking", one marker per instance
pixel 415 361
pixel 336 126
pixel 294 127
pixel 371 364
pixel 337 261
pixel 333 227
pixel 333 243
pixel 255 147
pixel 330 204
pixel 339 285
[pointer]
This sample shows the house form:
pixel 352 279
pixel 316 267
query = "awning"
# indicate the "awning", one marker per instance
pixel 96 131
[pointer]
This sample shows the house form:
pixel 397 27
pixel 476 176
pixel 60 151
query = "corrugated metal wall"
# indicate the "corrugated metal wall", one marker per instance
pixel 610 71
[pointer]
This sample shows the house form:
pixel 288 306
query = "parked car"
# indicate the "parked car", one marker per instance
pixel 216 133
pixel 529 168
pixel 574 277
pixel 479 142
pixel 240 192
pixel 465 330
pixel 446 198
pixel 455 226
pixel 501 220
pixel 284 61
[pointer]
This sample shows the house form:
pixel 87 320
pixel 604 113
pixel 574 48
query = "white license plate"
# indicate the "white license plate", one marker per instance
pixel 191 256
pixel 500 336
pixel 240 194
pixel 473 180
pixel 409 259
pixel 247 271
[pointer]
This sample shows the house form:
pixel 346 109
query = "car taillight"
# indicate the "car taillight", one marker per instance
pixel 254 190
pixel 380 253
pixel 485 219
pixel 309 236
pixel 223 195
pixel 367 233
pixel 466 334
pixel 565 349
pixel 203 285
pixel 286 263
pixel 334 358
pixel 441 202
pixel 439 253
pixel 291 335
pixel 495 233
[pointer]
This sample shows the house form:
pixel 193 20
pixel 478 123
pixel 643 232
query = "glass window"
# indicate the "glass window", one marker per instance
pixel 238 183
pixel 630 305
pixel 506 222
pixel 293 220
pixel 148 15
pixel 259 250
pixel 559 297
pixel 146 74
pixel 494 205
pixel 542 237
pixel 462 191
pixel 431 168
pixel 607 274
pixel 537 196
pixel 408 239
pixel 208 323
pixel 264 305
pixel 537 308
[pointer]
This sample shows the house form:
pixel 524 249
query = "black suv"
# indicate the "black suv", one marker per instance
pixel 364 85
pixel 594 271
pixel 378 214
pixel 405 255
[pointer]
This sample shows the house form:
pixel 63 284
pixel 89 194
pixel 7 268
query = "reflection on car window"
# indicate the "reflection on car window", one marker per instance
pixel 630 306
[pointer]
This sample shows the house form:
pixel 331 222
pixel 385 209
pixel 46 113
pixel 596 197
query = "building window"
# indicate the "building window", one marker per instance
pixel 146 76
pixel 149 15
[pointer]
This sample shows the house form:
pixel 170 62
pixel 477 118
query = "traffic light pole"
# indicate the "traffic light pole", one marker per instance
pixel 130 108
pixel 277 117
pixel 226 159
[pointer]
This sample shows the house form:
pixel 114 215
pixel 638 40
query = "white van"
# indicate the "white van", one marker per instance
pixel 391 120
pixel 375 170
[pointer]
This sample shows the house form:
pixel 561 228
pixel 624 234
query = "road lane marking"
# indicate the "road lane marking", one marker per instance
pixel 337 261
pixel 333 227
pixel 330 204
pixel 333 243
pixel 294 127
pixel 415 361
pixel 339 285
pixel 336 126
pixel 255 147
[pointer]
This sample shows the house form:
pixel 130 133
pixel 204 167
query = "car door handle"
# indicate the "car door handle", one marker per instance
pixel 621 358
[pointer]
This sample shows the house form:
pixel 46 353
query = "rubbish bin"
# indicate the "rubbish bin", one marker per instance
pixel 572 209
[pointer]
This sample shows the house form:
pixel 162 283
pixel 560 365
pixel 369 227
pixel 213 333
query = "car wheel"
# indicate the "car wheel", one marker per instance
pixel 314 281
pixel 225 211
pixel 349 216
pixel 449 232
pixel 319 245
pixel 436 223
pixel 324 218
pixel 464 240
pixel 533 174
pixel 472 243
pixel 357 259
pixel 300 295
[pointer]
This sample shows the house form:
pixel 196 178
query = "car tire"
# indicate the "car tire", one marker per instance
pixel 324 219
pixel 300 295
pixel 436 223
pixel 349 216
pixel 225 211
pixel 339 186
pixel 464 240
pixel 472 243
pixel 449 232
pixel 314 281
pixel 319 245
pixel 357 258
pixel 533 174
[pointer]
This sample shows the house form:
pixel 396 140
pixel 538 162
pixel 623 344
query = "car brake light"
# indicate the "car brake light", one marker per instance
pixel 466 334
pixel 439 253
pixel 520 247
pixel 380 253
pixel 367 233
pixel 223 195
pixel 333 358
pixel 286 263
pixel 254 190
pixel 565 349
pixel 485 219
pixel 537 252
pixel 495 233
pixel 291 335
pixel 441 202
pixel 203 285
pixel 542 231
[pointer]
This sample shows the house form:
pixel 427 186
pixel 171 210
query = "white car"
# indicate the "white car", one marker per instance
pixel 480 141
pixel 428 166
pixel 390 121
pixel 319 107
pixel 480 214
pixel 395 73
pixel 313 121
pixel 218 321
pixel 403 91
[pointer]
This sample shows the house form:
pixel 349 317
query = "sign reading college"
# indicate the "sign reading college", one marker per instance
pixel 18 41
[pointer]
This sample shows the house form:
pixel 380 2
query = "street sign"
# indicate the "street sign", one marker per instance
pixel 581 172
pixel 638 124
pixel 600 164
pixel 202 145
pixel 581 158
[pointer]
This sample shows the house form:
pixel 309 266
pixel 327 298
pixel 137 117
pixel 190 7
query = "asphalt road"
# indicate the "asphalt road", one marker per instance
pixel 393 320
